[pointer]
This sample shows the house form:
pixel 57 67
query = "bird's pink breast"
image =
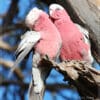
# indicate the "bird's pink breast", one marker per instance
pixel 72 40
pixel 50 42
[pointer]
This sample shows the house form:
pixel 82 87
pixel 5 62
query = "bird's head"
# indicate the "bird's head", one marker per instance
pixel 32 17
pixel 57 12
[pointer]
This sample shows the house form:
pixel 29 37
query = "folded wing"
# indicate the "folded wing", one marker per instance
pixel 28 40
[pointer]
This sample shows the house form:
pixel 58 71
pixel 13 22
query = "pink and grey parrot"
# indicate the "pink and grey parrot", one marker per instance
pixel 44 40
pixel 75 43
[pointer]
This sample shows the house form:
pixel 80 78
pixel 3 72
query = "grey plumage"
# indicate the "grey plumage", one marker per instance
pixel 85 33
pixel 39 75
pixel 28 40
pixel 33 95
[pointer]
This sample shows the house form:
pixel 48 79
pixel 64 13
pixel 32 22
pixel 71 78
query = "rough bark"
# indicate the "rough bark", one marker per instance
pixel 6 46
pixel 80 74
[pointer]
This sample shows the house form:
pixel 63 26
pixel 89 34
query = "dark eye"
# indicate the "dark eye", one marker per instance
pixel 57 8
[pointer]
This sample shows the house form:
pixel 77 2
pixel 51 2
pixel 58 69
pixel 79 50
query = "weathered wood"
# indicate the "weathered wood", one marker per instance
pixel 80 74
pixel 86 12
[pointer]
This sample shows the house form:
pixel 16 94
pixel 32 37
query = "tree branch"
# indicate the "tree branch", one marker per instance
pixel 12 12
pixel 9 64
pixel 13 27
pixel 6 46
pixel 80 74
pixel 49 87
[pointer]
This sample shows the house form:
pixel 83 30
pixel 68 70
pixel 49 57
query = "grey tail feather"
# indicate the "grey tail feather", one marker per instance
pixel 18 60
pixel 33 95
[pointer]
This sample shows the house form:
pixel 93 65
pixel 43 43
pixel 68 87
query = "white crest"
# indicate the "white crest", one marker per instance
pixel 29 39
pixel 54 7
pixel 32 17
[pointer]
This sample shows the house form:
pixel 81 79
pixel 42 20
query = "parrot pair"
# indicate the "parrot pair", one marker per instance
pixel 54 35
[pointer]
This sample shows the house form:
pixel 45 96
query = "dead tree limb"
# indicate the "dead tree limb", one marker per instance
pixel 9 64
pixel 12 27
pixel 50 87
pixel 12 12
pixel 6 46
pixel 80 74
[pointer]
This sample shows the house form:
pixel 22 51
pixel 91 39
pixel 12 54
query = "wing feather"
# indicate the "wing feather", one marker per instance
pixel 28 40
pixel 85 33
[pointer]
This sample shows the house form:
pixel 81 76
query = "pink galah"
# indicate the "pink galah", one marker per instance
pixel 74 43
pixel 49 43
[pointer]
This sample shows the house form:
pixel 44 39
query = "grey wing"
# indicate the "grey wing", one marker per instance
pixel 28 41
pixel 85 33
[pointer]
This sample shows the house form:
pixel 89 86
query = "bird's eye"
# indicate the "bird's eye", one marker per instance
pixel 57 8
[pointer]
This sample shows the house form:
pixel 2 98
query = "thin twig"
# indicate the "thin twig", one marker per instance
pixel 4 45
pixel 9 64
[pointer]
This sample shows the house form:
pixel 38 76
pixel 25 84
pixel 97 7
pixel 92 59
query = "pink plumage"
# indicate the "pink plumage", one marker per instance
pixel 50 42
pixel 45 39
pixel 73 44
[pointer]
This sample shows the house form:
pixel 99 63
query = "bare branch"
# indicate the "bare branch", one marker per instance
pixel 10 82
pixel 80 74
pixel 57 87
pixel 50 87
pixel 6 46
pixel 9 64
pixel 12 12
pixel 13 27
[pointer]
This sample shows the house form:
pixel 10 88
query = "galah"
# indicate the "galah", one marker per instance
pixel 43 39
pixel 75 44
